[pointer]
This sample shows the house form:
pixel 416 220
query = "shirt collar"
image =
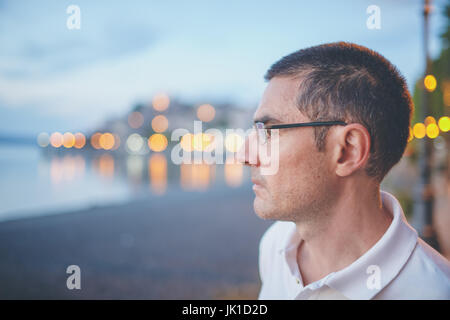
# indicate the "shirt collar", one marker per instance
pixel 388 256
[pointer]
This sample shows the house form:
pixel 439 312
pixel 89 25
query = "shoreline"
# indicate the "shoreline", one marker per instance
pixel 200 246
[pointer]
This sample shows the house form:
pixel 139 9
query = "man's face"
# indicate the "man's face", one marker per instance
pixel 304 184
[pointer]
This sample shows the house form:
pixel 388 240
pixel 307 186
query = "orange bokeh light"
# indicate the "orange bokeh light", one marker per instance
pixel 80 140
pixel 419 130
pixel 157 142
pixel 160 123
pixel 206 112
pixel 68 140
pixel 429 120
pixel 187 142
pixel 95 140
pixel 430 82
pixel 233 142
pixel 202 141
pixel 107 141
pixel 160 102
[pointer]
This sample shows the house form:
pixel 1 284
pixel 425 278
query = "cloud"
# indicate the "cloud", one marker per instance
pixel 36 42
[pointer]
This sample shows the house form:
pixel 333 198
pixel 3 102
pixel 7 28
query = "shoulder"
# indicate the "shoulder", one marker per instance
pixel 426 275
pixel 438 267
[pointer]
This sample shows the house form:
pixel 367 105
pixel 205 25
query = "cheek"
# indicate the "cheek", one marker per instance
pixel 300 182
pixel 292 167
pixel 298 170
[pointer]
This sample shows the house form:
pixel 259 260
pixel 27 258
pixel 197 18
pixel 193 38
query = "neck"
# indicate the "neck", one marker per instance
pixel 353 225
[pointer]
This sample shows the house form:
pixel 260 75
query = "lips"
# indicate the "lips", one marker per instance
pixel 257 182
pixel 258 188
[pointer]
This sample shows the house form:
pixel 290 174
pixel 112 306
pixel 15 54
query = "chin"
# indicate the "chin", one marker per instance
pixel 263 210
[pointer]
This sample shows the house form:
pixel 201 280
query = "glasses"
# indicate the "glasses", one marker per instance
pixel 264 131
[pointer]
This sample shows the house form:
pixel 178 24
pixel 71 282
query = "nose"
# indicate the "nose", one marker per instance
pixel 248 152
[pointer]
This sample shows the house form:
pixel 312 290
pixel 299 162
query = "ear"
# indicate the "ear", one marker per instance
pixel 352 149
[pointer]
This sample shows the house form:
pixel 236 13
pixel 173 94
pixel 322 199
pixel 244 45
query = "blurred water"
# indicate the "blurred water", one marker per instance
pixel 35 183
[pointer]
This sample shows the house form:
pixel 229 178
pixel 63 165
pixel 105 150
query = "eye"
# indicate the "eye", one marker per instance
pixel 262 132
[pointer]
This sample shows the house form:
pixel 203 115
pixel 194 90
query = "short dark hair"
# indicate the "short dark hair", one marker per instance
pixel 348 82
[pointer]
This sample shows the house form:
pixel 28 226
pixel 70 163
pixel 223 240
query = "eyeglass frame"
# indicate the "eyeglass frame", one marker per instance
pixel 294 125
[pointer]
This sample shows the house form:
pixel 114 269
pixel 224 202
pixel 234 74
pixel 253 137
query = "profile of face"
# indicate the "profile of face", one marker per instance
pixel 305 182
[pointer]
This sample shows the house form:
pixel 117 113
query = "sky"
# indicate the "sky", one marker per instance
pixel 56 79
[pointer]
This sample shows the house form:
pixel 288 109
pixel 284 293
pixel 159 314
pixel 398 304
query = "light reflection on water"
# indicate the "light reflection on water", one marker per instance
pixel 33 183
pixel 157 168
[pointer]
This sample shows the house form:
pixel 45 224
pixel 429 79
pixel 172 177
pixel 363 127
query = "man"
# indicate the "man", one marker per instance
pixel 338 236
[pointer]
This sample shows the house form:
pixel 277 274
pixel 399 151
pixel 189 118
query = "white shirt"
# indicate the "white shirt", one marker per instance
pixel 399 266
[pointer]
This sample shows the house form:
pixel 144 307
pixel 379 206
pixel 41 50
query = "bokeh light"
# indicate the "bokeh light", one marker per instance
pixel 187 142
pixel 135 142
pixel 432 130
pixel 43 139
pixel 160 123
pixel 135 119
pixel 209 142
pixel 206 112
pixel 429 120
pixel 160 102
pixel 419 130
pixel 80 140
pixel 95 140
pixel 106 141
pixel 56 139
pixel 233 142
pixel 68 140
pixel 444 124
pixel 202 141
pixel 157 142
pixel 430 82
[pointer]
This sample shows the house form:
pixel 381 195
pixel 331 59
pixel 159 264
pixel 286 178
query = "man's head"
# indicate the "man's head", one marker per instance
pixel 337 81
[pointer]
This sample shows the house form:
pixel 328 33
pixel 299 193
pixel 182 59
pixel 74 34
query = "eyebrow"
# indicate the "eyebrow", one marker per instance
pixel 266 119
